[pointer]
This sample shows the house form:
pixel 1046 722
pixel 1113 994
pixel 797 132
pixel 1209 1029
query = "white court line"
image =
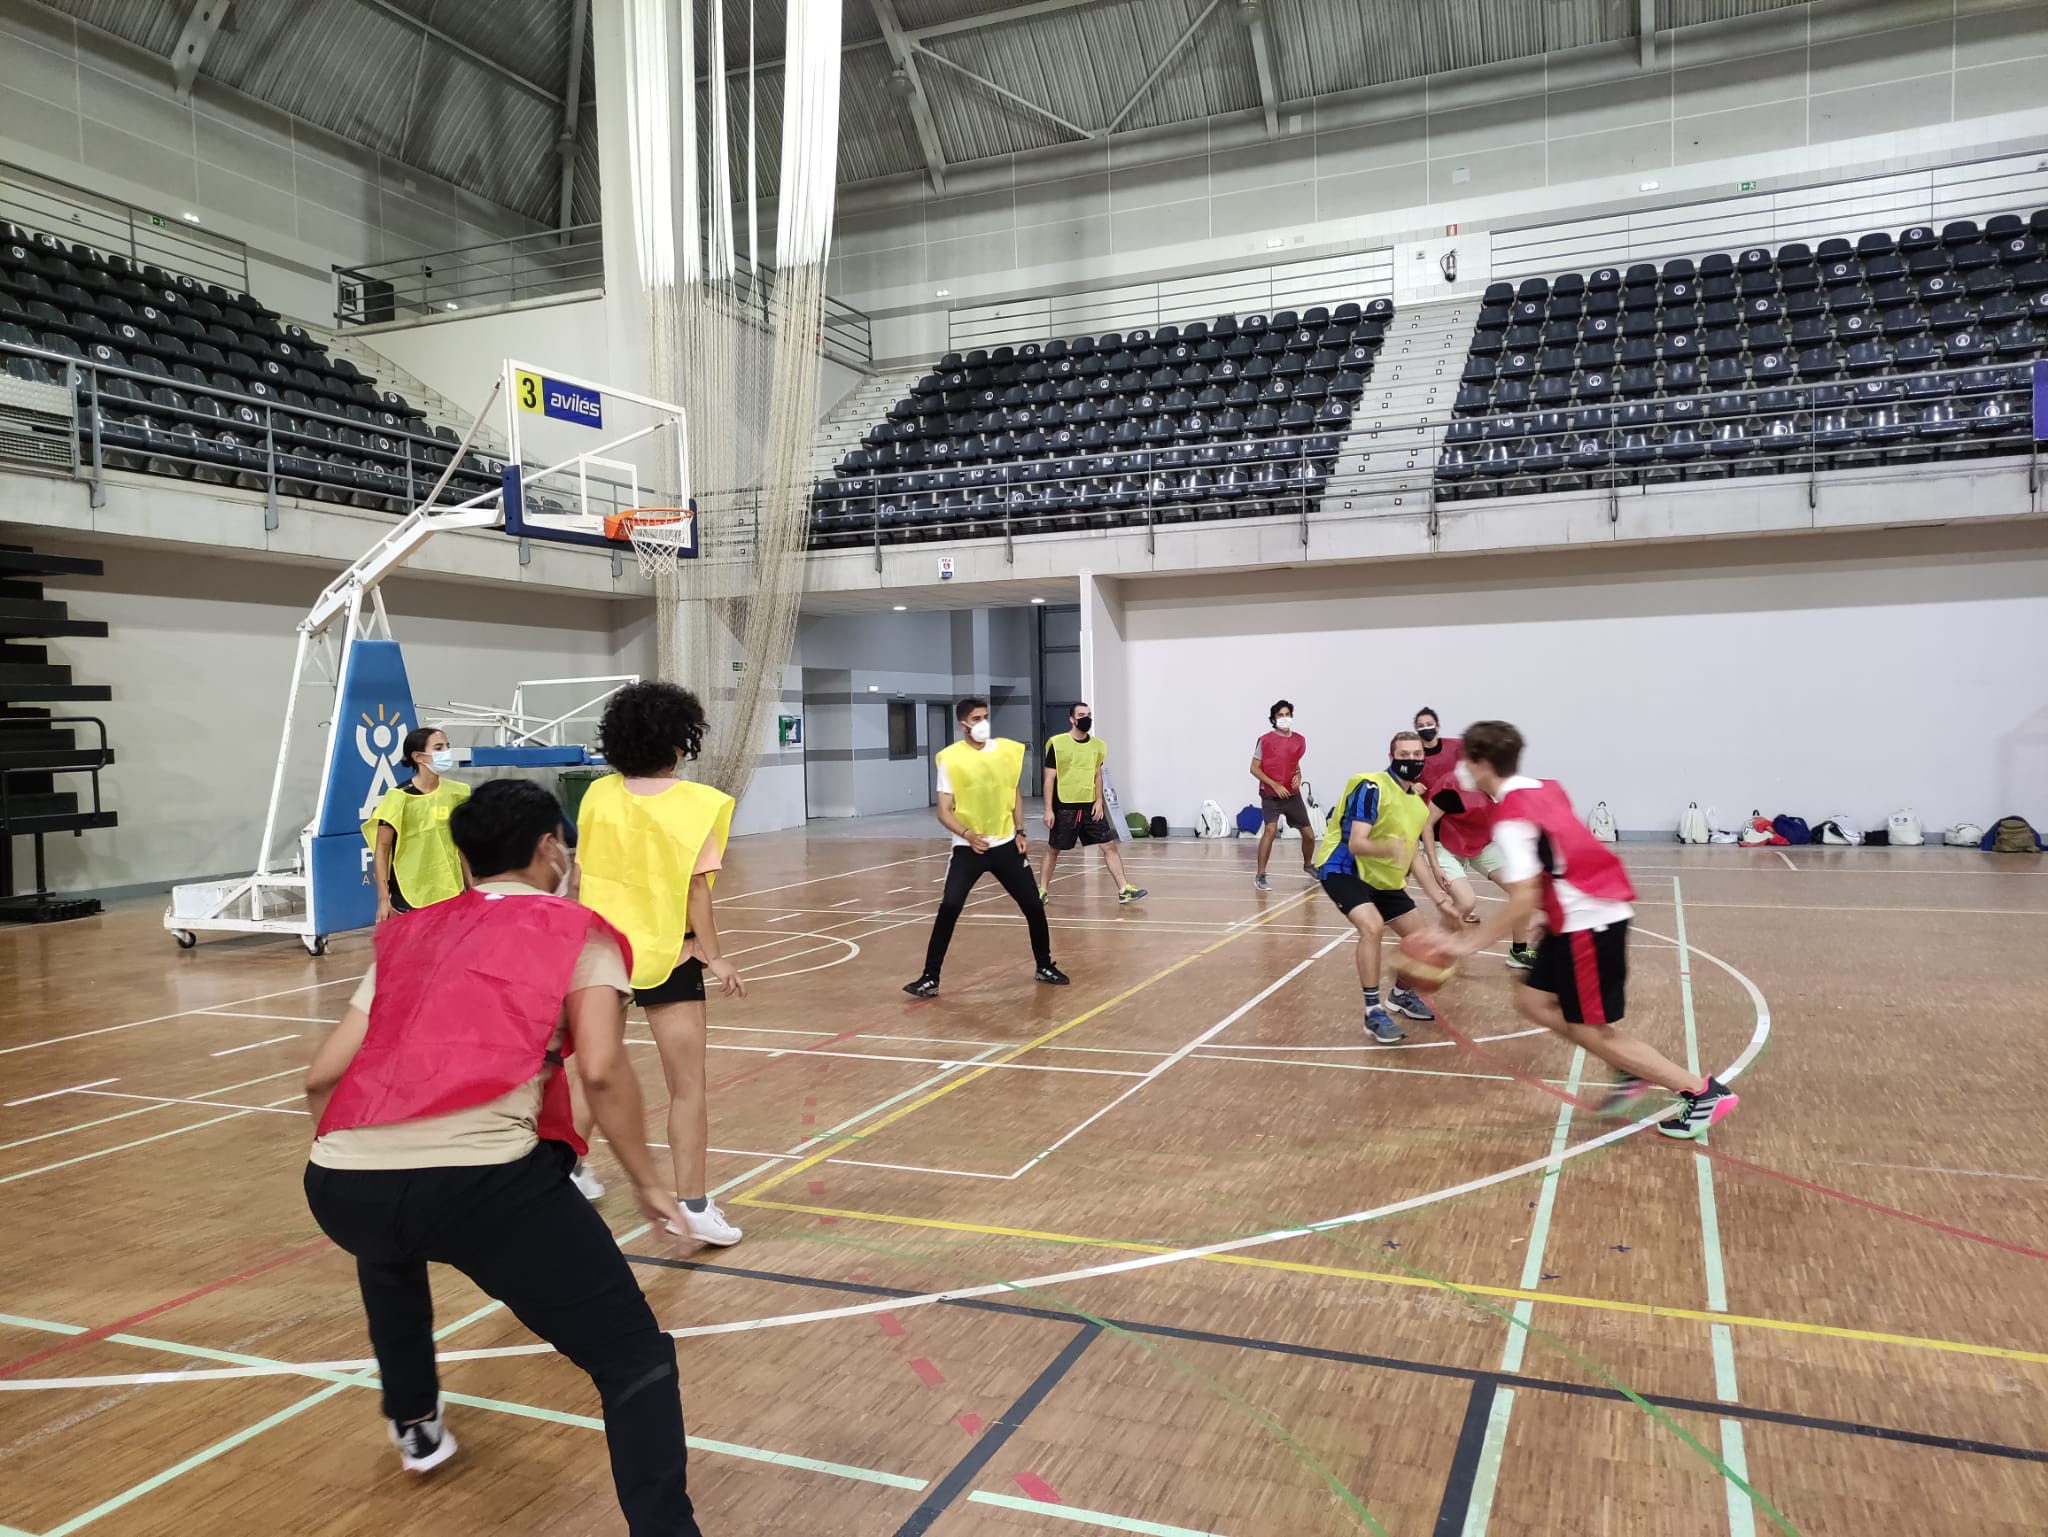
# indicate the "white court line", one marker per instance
pixel 274 1040
pixel 837 875
pixel 1788 862
pixel 848 902
pixel 210 1104
pixel 283 1019
pixel 1923 1168
pixel 1512 1035
pixel 1759 1035
pixel 65 1131
pixel 107 1152
pixel 57 1093
pixel 158 1019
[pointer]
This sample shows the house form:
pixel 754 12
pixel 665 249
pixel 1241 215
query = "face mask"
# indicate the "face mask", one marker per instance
pixel 1283 724
pixel 568 868
pixel 442 761
pixel 1463 775
pixel 1084 724
pixel 979 731
pixel 1406 769
pixel 1427 733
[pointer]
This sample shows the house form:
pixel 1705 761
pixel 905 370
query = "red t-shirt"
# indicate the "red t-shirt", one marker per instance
pixel 1279 754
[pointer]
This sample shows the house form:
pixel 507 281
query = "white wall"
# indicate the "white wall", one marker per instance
pixel 199 655
pixel 463 356
pixel 1844 674
pixel 83 108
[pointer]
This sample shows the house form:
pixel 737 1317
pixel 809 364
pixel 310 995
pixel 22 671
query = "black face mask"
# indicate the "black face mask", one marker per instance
pixel 1427 733
pixel 1406 769
pixel 1084 724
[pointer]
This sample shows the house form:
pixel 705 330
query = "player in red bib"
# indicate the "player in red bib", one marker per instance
pixel 1577 986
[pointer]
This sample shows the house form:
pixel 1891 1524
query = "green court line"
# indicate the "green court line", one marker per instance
pixel 149 1485
pixel 1087 1517
pixel 1486 1477
pixel 1741 1513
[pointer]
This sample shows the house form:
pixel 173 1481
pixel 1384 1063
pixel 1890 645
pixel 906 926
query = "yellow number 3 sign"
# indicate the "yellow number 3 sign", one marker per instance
pixel 529 387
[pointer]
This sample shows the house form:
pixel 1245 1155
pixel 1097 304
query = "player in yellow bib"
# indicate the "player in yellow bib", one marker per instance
pixel 1074 802
pixel 413 858
pixel 647 848
pixel 1368 850
pixel 982 806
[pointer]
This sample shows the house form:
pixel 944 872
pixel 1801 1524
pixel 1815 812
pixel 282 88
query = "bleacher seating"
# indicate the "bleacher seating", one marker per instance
pixel 1225 418
pixel 191 379
pixel 1888 349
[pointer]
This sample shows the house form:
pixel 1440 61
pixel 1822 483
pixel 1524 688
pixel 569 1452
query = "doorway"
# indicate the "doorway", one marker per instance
pixel 938 734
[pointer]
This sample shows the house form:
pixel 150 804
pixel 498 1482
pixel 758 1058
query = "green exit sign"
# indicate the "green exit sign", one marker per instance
pixel 156 221
pixel 738 666
pixel 1748 186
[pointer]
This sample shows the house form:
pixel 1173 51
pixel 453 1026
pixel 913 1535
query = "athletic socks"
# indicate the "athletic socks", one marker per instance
pixel 1372 997
pixel 697 1205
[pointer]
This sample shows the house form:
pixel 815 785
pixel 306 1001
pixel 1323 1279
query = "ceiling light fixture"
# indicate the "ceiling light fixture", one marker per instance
pixel 190 218
pixel 902 607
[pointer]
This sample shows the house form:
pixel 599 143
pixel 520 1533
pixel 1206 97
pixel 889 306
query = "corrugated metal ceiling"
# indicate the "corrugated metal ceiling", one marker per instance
pixel 366 70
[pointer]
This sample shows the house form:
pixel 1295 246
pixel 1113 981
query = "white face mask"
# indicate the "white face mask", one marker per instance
pixel 979 730
pixel 441 762
pixel 1463 775
pixel 568 869
pixel 1283 724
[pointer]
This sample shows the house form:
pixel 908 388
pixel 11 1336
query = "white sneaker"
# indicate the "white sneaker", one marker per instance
pixel 589 1184
pixel 422 1447
pixel 706 1226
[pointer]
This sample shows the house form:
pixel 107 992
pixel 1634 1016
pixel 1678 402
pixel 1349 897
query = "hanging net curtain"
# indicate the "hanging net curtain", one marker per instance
pixel 735 342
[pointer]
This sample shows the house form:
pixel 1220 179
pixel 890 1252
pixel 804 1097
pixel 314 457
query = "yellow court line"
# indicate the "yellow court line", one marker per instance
pixel 1513 1293
pixel 749 1197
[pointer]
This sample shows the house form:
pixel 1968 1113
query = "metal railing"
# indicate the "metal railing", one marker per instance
pixel 544 265
pixel 166 240
pixel 549 264
pixel 1354 275
pixel 272 449
pixel 1413 466
pixel 1822 211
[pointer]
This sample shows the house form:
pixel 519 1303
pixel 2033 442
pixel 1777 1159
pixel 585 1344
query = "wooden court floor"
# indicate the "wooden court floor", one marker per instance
pixel 1170 1251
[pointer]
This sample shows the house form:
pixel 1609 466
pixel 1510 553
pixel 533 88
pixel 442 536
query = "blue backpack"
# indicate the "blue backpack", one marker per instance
pixel 1792 829
pixel 1250 820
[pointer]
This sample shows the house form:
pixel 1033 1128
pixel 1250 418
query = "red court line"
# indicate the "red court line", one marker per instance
pixel 928 1372
pixel 1037 1488
pixel 90 1336
pixel 1739 1163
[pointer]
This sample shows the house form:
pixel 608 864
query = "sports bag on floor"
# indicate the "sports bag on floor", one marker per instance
pixel 1964 835
pixel 1158 827
pixel 1758 833
pixel 1211 823
pixel 1903 830
pixel 1720 829
pixel 1249 820
pixel 1137 824
pixel 1692 824
pixel 1792 829
pixel 2011 835
pixel 1839 831
pixel 1601 823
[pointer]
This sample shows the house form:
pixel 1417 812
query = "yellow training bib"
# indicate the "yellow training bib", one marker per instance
pixel 1401 816
pixel 637 853
pixel 1074 765
pixel 984 781
pixel 423 859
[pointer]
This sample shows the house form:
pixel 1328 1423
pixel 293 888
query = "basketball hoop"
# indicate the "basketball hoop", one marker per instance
pixel 659 535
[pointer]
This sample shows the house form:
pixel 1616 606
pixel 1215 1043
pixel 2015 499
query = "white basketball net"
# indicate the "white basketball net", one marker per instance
pixel 660 542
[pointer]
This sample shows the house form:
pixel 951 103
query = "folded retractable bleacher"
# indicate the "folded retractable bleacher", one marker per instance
pixel 1225 418
pixel 1885 350
pixel 195 380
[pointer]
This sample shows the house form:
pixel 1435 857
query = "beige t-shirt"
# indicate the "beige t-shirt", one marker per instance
pixel 501 1130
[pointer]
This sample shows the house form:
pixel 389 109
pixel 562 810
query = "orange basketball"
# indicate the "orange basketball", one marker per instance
pixel 1424 960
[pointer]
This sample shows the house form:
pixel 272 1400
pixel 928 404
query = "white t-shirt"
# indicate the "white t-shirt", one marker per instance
pixel 1521 860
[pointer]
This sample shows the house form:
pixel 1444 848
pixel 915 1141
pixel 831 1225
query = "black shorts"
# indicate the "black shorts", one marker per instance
pixel 683 985
pixel 1348 891
pixel 398 901
pixel 1273 807
pixel 1587 970
pixel 1078 824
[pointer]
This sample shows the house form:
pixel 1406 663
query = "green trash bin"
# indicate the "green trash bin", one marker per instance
pixel 572 784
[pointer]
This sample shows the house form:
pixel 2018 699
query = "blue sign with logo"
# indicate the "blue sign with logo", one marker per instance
pixel 2041 401
pixel 564 402
pixel 364 752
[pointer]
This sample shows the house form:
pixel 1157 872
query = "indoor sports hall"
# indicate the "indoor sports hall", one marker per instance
pixel 581 529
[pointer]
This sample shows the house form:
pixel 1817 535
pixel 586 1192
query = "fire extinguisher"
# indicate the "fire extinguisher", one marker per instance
pixel 1450 266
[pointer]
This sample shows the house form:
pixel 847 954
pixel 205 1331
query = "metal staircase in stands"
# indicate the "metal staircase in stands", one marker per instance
pixel 40 748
